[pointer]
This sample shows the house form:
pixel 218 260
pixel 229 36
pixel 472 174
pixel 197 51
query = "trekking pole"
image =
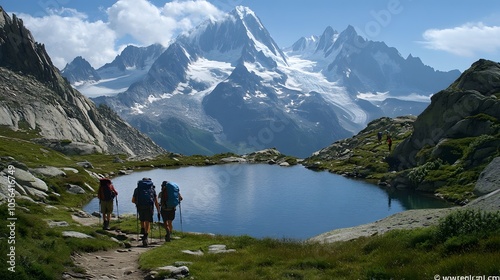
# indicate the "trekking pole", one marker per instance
pixel 99 212
pixel 137 222
pixel 180 214
pixel 159 227
pixel 117 211
pixel 151 226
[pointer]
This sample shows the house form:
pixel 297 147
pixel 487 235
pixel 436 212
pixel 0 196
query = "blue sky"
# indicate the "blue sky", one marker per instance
pixel 445 34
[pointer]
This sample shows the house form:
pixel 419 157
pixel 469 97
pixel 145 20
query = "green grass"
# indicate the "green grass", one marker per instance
pixel 42 252
pixel 399 254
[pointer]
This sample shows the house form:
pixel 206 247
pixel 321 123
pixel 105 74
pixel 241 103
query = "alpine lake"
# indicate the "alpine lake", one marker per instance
pixel 262 200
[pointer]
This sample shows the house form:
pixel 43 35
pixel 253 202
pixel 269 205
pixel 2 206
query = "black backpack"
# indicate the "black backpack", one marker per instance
pixel 145 194
pixel 104 185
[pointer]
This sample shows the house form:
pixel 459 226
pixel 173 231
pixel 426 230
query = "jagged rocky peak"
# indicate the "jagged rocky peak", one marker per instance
pixel 21 53
pixel 327 39
pixel 304 43
pixel 237 35
pixel 135 57
pixel 80 70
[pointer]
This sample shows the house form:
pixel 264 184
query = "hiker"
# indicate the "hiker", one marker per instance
pixel 145 199
pixel 379 136
pixel 106 194
pixel 389 142
pixel 170 197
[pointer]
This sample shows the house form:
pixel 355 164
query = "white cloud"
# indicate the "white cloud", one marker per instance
pixel 466 40
pixel 68 33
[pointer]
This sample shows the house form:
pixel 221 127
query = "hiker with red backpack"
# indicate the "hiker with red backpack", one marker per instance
pixel 170 197
pixel 106 194
pixel 145 200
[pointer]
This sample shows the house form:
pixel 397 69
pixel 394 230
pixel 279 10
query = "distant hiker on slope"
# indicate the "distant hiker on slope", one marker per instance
pixel 170 197
pixel 145 199
pixel 106 194
pixel 389 142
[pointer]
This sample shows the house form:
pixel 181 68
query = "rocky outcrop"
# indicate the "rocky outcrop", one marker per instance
pixel 37 100
pixel 362 154
pixel 468 108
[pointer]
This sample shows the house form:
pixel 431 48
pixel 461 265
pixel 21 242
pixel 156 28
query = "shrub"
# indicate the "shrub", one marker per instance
pixel 417 174
pixel 458 244
pixel 468 222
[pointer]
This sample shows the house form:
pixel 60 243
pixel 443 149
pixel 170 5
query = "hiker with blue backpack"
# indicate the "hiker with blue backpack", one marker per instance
pixel 106 194
pixel 145 200
pixel 170 198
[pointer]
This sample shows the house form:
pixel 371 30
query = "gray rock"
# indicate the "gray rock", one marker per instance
pixel 232 160
pixel 85 164
pixel 118 160
pixel 39 185
pixel 82 214
pixel 26 178
pixel 489 179
pixel 32 192
pixel 6 190
pixel 75 234
pixel 53 224
pixel 48 171
pixel 219 248
pixel 20 189
pixel 70 169
pixel 175 272
pixel 74 189
pixel 190 252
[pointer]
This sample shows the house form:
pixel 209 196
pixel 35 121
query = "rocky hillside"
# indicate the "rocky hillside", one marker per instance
pixel 363 155
pixel 443 151
pixel 35 98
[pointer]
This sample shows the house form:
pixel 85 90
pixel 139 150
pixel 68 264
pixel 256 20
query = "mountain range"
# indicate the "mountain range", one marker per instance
pixel 38 102
pixel 227 86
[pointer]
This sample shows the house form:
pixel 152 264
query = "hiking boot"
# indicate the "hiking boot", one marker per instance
pixel 105 225
pixel 167 236
pixel 145 240
pixel 143 231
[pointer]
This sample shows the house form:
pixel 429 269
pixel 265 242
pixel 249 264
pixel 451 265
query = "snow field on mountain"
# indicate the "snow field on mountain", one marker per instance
pixel 300 77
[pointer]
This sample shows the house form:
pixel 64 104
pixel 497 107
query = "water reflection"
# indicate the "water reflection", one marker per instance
pixel 271 201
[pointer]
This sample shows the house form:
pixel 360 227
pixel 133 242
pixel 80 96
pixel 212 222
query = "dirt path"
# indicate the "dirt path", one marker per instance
pixel 121 263
pixel 113 264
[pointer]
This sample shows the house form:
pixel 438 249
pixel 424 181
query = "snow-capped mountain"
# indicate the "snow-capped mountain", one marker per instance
pixel 130 66
pixel 227 86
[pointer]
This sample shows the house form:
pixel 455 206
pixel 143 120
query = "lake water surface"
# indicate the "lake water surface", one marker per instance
pixel 263 200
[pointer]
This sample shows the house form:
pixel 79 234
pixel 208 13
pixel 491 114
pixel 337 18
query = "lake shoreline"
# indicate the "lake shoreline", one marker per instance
pixel 409 219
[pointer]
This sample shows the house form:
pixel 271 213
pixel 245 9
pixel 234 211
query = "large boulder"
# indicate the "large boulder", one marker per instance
pixel 489 179
pixel 27 179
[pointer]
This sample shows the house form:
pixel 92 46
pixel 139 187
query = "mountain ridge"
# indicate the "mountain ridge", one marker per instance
pixel 333 71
